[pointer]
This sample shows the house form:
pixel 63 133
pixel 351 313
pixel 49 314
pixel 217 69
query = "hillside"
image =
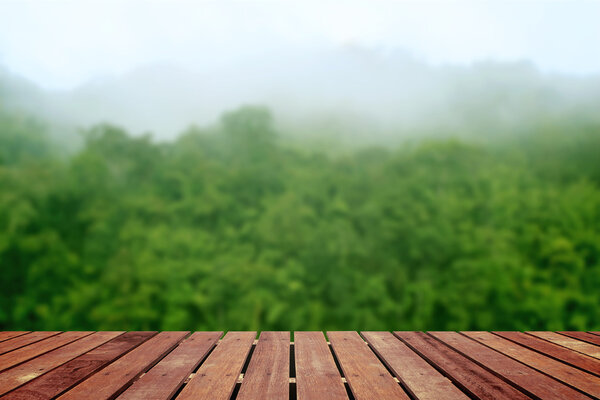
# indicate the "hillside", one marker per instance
pixel 231 227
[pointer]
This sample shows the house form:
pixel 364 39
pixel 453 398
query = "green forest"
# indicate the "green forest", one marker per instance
pixel 236 227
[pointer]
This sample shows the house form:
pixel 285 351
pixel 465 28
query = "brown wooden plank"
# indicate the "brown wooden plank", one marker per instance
pixel 574 377
pixel 527 379
pixel 25 372
pixel 113 379
pixel 586 337
pixel 216 377
pixel 366 376
pixel 24 340
pixel 587 363
pixel 595 333
pixel 268 373
pixel 62 378
pixel 469 376
pixel 568 342
pixel 165 378
pixel 317 377
pixel 5 335
pixel 419 378
pixel 36 349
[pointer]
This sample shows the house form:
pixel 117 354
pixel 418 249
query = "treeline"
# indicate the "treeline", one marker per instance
pixel 231 228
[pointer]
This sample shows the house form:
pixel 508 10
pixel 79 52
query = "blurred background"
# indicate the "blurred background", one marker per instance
pixel 299 165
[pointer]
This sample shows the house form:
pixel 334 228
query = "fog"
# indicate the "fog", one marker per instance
pixel 365 71
pixel 348 92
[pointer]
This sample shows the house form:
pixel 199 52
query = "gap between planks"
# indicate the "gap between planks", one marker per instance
pixel 292 380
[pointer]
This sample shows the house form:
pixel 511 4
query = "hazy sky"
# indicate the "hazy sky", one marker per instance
pixel 61 44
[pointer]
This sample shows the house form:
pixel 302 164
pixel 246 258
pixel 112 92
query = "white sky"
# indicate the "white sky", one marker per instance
pixel 61 44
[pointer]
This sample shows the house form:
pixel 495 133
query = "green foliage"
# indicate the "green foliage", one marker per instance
pixel 232 229
pixel 22 139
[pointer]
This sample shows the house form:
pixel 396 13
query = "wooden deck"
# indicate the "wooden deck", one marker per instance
pixel 343 365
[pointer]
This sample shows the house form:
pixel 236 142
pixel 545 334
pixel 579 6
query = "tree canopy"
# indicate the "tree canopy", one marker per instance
pixel 232 228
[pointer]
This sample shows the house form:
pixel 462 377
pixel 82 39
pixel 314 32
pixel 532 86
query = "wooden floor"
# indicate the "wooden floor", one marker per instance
pixel 341 365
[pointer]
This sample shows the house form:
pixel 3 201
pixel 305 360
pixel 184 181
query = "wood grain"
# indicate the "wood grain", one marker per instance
pixel 62 378
pixel 586 337
pixel 523 377
pixel 165 378
pixel 419 378
pixel 317 377
pixel 24 340
pixel 574 377
pixel 23 354
pixel 5 335
pixel 402 365
pixel 568 342
pixel 367 377
pixel 268 373
pixel 113 379
pixel 587 363
pixel 31 369
pixel 469 376
pixel 216 377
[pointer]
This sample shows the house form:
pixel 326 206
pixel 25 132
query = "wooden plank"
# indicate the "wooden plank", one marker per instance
pixel 268 373
pixel 574 377
pixel 24 340
pixel 216 377
pixel 5 335
pixel 419 378
pixel 527 379
pixel 317 377
pixel 586 337
pixel 36 349
pixel 113 379
pixel 560 353
pixel 366 376
pixel 467 375
pixel 568 342
pixel 165 378
pixel 62 378
pixel 23 373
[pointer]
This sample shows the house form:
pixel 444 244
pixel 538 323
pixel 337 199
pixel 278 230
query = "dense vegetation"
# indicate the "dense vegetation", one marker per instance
pixel 232 228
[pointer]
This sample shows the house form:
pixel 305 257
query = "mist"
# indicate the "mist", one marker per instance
pixel 365 72
pixel 350 92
